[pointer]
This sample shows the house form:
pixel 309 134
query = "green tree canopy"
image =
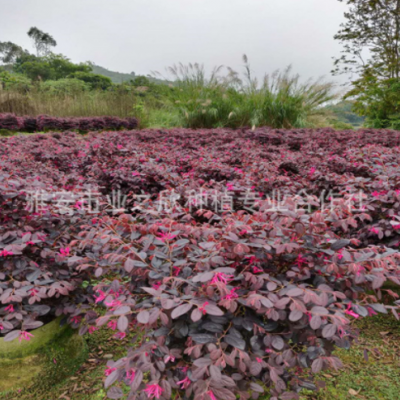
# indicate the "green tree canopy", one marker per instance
pixel 371 38
pixel 42 41
pixel 9 52
pixel 50 67
pixel 371 52
pixel 95 81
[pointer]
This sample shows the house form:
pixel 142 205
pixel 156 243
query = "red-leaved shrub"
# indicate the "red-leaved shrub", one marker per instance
pixel 48 123
pixel 241 256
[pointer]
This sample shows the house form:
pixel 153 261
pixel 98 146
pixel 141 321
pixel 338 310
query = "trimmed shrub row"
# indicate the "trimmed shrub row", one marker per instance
pixel 12 122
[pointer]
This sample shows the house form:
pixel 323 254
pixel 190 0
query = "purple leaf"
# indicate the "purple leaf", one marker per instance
pixel 143 317
pixel 181 310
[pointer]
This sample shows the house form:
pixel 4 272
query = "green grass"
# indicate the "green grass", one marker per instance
pixel 6 133
pixel 375 379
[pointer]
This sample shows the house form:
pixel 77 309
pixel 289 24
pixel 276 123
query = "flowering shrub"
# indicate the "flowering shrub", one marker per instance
pixel 235 294
pixel 47 123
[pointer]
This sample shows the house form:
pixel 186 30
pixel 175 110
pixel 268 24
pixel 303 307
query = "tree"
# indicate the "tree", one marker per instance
pixel 50 67
pixel 63 67
pixel 95 81
pixel 378 100
pixel 35 69
pixel 9 52
pixel 42 41
pixel 371 39
pixel 141 80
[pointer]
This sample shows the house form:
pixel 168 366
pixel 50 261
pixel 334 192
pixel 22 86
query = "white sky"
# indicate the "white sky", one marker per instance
pixel 148 35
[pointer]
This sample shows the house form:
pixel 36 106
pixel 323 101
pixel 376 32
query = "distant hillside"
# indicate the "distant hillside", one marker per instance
pixel 116 77
pixel 119 77
pixel 343 112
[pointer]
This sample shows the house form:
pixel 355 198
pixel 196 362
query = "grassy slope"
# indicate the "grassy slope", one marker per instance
pixel 116 77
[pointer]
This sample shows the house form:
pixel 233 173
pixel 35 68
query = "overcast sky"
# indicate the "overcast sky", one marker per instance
pixel 148 35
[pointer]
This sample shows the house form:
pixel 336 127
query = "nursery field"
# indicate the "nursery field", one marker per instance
pixel 209 264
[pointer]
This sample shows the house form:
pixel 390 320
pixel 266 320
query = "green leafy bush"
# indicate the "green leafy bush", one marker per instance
pixel 15 82
pixel 49 67
pixel 95 81
pixel 378 100
pixel 65 86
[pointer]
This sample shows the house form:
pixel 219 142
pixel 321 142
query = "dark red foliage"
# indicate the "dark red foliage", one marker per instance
pixel 232 301
pixel 10 122
pixel 47 123
pixel 29 124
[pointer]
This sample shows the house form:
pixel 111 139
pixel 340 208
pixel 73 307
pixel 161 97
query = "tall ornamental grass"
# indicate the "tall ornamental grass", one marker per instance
pixel 281 100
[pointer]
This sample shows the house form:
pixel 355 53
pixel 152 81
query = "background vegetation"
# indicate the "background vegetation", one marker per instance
pixel 371 53
pixel 49 83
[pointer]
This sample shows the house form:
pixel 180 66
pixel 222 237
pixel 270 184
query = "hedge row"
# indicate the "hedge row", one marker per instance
pixel 12 122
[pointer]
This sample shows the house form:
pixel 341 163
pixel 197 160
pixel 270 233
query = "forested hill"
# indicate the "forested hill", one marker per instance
pixel 116 77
